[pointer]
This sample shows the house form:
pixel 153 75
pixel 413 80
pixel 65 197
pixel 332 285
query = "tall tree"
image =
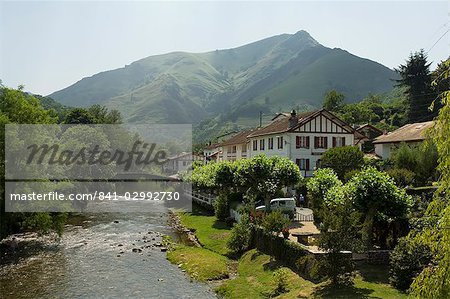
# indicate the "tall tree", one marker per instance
pixel 415 75
pixel 333 101
pixel 434 280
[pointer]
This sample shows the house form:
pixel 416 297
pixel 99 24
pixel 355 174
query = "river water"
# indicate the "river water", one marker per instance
pixel 95 259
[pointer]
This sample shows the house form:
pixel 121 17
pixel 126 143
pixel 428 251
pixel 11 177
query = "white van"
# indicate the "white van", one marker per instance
pixel 286 205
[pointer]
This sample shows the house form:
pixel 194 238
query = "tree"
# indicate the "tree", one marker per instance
pixel 343 159
pixel 79 116
pixel 434 280
pixel 415 75
pixel 339 232
pixel 323 180
pixel 21 108
pixel 263 177
pixel 333 101
pixel 374 193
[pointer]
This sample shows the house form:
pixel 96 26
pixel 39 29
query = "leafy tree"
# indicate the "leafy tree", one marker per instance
pixel 263 177
pixel 434 280
pixel 415 75
pixel 19 107
pixel 339 232
pixel 333 101
pixel 343 159
pixel 79 116
pixel 374 194
pixel 323 180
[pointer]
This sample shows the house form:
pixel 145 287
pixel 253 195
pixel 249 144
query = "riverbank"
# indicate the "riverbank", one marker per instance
pixel 252 274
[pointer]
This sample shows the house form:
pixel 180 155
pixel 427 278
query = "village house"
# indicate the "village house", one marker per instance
pixel 180 162
pixel 368 135
pixel 411 134
pixel 302 138
pixel 237 146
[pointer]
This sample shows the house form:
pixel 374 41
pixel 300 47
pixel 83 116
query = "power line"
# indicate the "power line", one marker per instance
pixel 438 40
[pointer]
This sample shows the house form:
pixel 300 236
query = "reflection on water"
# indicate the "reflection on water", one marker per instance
pixel 96 260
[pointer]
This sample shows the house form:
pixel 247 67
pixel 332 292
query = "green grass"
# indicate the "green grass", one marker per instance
pixel 201 264
pixel 212 233
pixel 255 279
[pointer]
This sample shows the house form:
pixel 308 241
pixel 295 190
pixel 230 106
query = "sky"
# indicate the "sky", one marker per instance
pixel 47 46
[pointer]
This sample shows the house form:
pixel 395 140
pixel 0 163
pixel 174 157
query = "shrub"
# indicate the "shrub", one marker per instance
pixel 402 176
pixel 338 268
pixel 275 222
pixel 348 176
pixel 280 277
pixel 407 260
pixel 241 236
pixel 221 207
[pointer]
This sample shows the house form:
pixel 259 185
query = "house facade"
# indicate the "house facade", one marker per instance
pixel 237 147
pixel 180 162
pixel 302 138
pixel 411 134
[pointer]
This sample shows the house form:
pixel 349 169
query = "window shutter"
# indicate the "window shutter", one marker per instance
pixel 325 139
pixel 343 141
pixel 307 142
pixel 316 142
pixel 307 164
pixel 334 141
pixel 297 161
pixel 297 141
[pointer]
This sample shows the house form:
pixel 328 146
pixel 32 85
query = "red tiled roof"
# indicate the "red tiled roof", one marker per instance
pixel 239 138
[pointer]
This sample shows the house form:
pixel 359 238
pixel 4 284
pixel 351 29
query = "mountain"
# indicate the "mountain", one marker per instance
pixel 270 75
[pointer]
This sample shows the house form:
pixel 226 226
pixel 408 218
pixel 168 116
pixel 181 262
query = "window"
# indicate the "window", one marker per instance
pixel 261 144
pixel 255 145
pixel 270 143
pixel 338 141
pixel 302 141
pixel 318 163
pixel 233 149
pixel 244 148
pixel 303 164
pixel 280 142
pixel 320 142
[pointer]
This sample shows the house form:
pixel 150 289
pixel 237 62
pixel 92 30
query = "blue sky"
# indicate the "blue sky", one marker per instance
pixel 50 45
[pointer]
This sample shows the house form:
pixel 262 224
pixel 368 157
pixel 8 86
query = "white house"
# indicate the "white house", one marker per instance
pixel 236 147
pixel 411 134
pixel 180 162
pixel 303 138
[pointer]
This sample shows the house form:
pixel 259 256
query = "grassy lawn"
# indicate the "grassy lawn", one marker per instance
pixel 212 233
pixel 255 279
pixel 201 264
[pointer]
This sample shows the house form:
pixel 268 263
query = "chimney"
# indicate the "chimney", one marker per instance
pixel 293 119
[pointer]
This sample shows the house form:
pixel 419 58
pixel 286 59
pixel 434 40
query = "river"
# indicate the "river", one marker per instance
pixel 95 259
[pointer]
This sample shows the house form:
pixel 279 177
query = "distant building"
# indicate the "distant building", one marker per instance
pixel 237 146
pixel 369 133
pixel 213 152
pixel 411 134
pixel 180 162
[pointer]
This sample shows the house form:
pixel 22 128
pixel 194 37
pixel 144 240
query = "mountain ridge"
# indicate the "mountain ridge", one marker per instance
pixel 272 74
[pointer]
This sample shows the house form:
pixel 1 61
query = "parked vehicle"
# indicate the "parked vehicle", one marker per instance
pixel 285 205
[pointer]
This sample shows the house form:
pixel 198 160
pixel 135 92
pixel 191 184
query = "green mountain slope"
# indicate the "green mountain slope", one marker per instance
pixel 276 73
